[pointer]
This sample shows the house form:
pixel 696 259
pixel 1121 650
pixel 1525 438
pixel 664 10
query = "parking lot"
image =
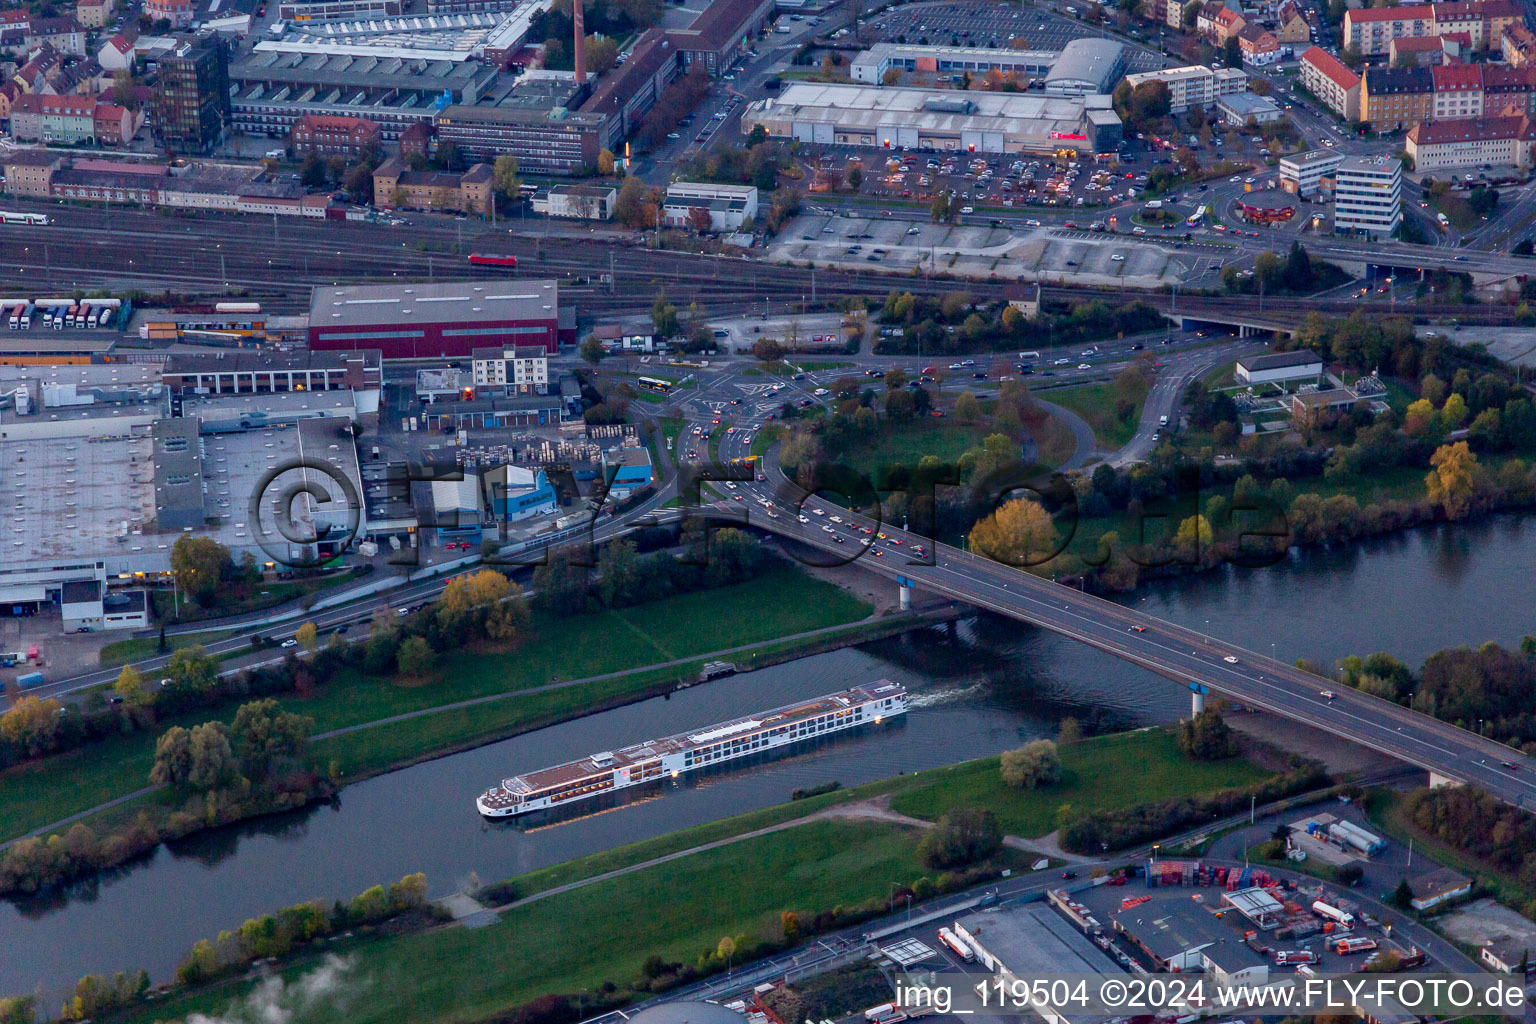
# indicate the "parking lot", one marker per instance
pixel 996 26
pixel 1031 253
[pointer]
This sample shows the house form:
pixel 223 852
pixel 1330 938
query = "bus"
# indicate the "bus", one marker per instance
pixel 1194 219
pixel 486 259
pixel 39 219
pixel 656 384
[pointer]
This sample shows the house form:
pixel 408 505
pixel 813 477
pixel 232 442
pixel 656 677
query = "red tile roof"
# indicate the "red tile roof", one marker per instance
pixel 1329 66
pixel 1404 13
pixel 1458 78
pixel 1419 44
pixel 1472 129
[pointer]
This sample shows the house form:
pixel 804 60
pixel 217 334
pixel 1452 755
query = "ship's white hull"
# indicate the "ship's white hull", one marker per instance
pixel 675 765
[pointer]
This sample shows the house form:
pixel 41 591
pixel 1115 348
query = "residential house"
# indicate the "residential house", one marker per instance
pixel 116 125
pixel 177 12
pixel 1259 45
pixel 30 172
pixel 1226 24
pixel 117 52
pixel 63 34
pixel 1422 52
pixel 1517 46
pixel 1290 25
pixel 93 13
pixel 69 120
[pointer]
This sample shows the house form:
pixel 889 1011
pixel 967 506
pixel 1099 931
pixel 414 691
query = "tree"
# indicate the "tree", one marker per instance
pixel 1350 874
pixel 602 54
pixel 1402 896
pixel 592 350
pixel 855 177
pixel 191 670
pixel 962 836
pixel 633 207
pixel 312 171
pixel 605 161
pixel 31 726
pixel 891 76
pixel 1206 737
pixel 664 316
pixel 768 350
pixel 699 219
pixel 269 739
pixel 504 177
pixel 1020 533
pixel 130 687
pixel 414 657
pixel 308 637
pixel 199 564
pixel 1031 766
pixel 941 208
pixel 1298 268
pixel 1068 732
pixel 211 762
pixel 967 408
pixel 1455 479
pixel 173 757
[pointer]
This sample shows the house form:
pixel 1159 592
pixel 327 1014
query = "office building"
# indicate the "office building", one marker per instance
pixel 397 187
pixel 1248 108
pixel 581 202
pixel 545 140
pixel 1499 141
pixel 1368 196
pixel 328 136
pixel 1307 174
pixel 193 101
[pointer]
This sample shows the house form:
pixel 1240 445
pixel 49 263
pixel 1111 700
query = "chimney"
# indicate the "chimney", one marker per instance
pixel 581 42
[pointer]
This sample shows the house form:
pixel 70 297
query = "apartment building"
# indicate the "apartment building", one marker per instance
pixel 1396 98
pixel 1195 85
pixel 1372 29
pixel 1330 81
pixel 396 186
pixel 1458 91
pixel 516 369
pixel 1368 196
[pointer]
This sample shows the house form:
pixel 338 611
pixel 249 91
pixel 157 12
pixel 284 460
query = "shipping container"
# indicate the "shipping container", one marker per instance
pixel 30 679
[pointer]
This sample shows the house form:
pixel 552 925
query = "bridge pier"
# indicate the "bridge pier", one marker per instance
pixel 906 587
pixel 1196 702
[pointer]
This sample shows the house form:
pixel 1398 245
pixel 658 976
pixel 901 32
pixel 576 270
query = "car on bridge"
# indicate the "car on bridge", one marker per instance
pixel 1329 694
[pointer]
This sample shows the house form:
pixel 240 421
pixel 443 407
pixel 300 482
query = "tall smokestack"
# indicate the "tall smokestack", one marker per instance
pixel 581 42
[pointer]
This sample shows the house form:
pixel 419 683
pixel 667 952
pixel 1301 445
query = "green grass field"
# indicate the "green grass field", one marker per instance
pixel 120 652
pixel 1108 772
pixel 456 974
pixel 1096 404
pixel 906 443
pixel 779 603
pixel 737 889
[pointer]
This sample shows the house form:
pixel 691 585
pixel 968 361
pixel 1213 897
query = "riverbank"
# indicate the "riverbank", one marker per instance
pixel 819 858
pixel 684 630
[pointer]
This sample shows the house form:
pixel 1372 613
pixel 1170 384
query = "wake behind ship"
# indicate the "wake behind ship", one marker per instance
pixel 606 772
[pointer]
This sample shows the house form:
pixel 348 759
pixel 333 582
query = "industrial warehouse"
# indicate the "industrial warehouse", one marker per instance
pixel 938 119
pixel 454 318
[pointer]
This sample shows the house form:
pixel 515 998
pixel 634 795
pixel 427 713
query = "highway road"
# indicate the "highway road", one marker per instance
pixel 1176 652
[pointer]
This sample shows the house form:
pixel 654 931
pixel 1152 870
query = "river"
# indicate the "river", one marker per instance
pixel 978 686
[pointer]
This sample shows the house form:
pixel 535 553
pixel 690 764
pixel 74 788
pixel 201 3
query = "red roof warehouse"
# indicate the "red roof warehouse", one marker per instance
pixel 409 321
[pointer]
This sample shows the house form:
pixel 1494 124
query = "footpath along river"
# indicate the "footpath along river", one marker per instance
pixel 978 686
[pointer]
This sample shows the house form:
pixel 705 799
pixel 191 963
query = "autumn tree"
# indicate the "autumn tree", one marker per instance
pixel 605 161
pixel 199 564
pixel 1031 766
pixel 504 176
pixel 967 408
pixel 31 726
pixel 191 670
pixel 308 637
pixel 269 739
pixel 1020 533
pixel 699 219
pixel 1455 479
pixel 130 687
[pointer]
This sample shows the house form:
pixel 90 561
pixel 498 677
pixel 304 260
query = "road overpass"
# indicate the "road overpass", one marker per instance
pixel 1189 658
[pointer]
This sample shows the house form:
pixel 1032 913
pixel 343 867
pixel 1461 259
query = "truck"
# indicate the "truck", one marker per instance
pixel 1333 913
pixel 29 679
pixel 1344 947
pixel 1291 957
pixel 1348 834
pixel 955 946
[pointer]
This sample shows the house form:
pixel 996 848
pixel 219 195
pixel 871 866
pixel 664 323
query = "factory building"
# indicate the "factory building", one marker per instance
pixel 1181 935
pixel 247 372
pixel 445 319
pixel 938 119
pixel 1278 368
